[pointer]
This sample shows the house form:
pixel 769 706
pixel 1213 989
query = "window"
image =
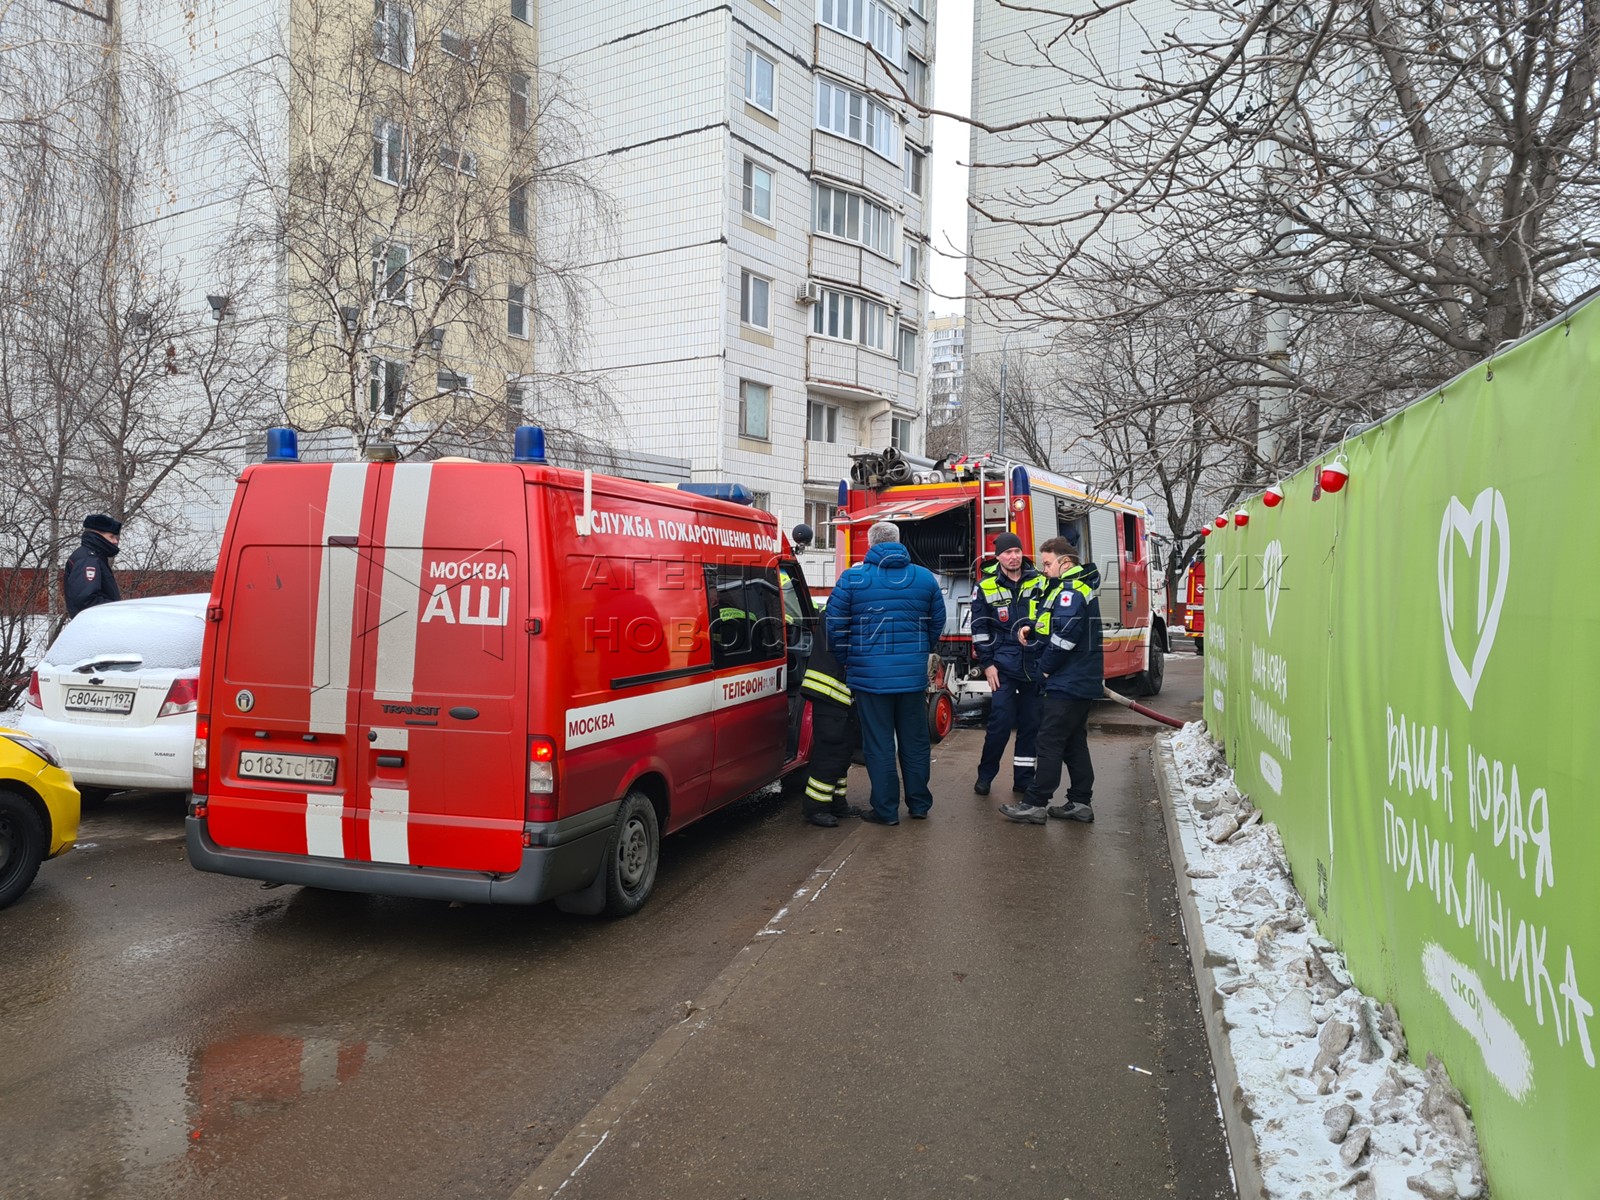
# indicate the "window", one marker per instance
pixel 910 262
pixel 920 7
pixel 755 295
pixel 757 191
pixel 394 35
pixel 900 434
pixel 450 270
pixel 821 515
pixel 917 79
pixel 914 160
pixel 516 396
pixel 453 381
pixel 866 21
pixel 391 275
pixel 847 16
pixel 884 31
pixel 458 45
pixel 755 409
pixel 822 422
pixel 851 319
pixel 521 102
pixel 517 216
pixel 761 500
pixel 388 151
pixel 852 115
pixel 452 158
pixel 519 10
pixel 855 218
pixel 517 310
pixel 759 73
pixel 908 349
pixel 746 612
pixel 386 384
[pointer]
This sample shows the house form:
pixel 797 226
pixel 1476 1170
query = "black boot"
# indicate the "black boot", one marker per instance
pixel 818 814
pixel 843 808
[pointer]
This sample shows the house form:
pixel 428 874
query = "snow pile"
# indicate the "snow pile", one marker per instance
pixel 1335 1106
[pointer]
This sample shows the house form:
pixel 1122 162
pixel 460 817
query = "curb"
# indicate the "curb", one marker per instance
pixel 1184 841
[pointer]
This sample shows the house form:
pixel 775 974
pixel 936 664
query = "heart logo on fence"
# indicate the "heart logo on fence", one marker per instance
pixel 1272 579
pixel 1488 515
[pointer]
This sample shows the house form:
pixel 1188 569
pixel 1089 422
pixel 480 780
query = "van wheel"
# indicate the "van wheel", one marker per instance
pixel 941 716
pixel 632 855
pixel 21 846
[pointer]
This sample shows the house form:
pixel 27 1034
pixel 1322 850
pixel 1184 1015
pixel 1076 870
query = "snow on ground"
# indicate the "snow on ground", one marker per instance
pixel 1336 1107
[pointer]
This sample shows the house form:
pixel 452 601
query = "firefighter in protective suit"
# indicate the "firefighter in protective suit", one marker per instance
pixel 834 731
pixel 999 606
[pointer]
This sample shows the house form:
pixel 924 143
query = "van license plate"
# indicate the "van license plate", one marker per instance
pixel 295 768
pixel 96 700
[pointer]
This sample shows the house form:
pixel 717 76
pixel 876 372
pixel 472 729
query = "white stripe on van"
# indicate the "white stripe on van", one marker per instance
pixel 400 589
pixel 638 714
pixel 387 829
pixel 324 825
pixel 336 599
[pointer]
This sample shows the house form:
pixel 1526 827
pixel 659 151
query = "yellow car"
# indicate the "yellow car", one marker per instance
pixel 38 810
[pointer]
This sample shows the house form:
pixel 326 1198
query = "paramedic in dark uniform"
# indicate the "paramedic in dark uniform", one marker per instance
pixel 834 732
pixel 998 606
pixel 87 579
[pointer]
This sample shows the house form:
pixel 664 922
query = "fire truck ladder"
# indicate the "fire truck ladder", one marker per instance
pixel 999 523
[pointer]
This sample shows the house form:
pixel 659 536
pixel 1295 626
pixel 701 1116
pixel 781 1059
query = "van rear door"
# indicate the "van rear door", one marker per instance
pixel 442 737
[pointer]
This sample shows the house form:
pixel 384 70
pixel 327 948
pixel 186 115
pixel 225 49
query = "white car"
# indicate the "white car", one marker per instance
pixel 116 694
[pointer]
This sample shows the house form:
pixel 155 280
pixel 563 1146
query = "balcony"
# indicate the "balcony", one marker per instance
pixel 829 462
pixel 856 267
pixel 849 371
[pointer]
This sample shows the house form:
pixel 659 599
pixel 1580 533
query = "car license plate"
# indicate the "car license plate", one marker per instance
pixel 98 700
pixel 291 768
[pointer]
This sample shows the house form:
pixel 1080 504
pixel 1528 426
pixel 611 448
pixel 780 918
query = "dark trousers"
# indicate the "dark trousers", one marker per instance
pixel 886 719
pixel 833 740
pixel 1063 740
pixel 1014 705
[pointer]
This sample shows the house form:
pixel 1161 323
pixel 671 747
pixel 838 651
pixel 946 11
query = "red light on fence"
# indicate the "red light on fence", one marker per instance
pixel 1334 476
pixel 1241 518
pixel 1272 497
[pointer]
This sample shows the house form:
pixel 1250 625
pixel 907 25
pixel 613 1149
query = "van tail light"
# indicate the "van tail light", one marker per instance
pixel 202 756
pixel 541 803
pixel 182 697
pixel 35 699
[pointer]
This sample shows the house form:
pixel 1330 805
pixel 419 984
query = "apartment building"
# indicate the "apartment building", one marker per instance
pixel 947 366
pixel 758 307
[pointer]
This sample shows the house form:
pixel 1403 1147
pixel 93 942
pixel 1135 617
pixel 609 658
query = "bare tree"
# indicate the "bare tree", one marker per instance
pixel 421 146
pixel 113 396
pixel 1363 198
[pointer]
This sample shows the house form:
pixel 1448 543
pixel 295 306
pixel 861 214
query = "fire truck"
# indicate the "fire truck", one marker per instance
pixel 949 513
pixel 1194 613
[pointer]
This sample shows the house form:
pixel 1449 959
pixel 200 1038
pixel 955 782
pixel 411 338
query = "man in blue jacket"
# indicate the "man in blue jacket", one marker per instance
pixel 1067 627
pixel 885 617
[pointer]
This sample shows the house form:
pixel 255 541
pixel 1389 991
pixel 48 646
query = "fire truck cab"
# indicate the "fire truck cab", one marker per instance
pixel 494 682
pixel 1194 612
pixel 949 514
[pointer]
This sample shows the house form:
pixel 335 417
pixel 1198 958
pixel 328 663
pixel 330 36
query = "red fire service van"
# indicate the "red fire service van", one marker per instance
pixel 949 514
pixel 497 682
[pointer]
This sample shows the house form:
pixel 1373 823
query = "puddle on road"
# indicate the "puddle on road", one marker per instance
pixel 182 1109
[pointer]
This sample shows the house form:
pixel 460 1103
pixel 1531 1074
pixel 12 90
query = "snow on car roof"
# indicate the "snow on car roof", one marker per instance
pixel 160 632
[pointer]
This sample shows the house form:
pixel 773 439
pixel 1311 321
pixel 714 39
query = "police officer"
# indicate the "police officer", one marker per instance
pixel 87 579
pixel 834 731
pixel 1065 623
pixel 998 607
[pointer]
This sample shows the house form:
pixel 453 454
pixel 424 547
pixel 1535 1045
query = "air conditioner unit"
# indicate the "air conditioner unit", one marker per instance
pixel 809 292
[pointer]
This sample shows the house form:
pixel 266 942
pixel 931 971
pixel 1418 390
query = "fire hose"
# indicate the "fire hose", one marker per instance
pixel 1141 709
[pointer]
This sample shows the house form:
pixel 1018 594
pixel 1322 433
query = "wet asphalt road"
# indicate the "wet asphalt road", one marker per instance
pixel 164 1032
